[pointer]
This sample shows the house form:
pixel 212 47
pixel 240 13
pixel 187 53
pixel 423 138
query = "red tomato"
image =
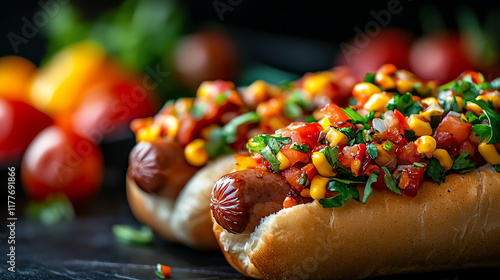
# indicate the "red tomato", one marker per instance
pixel 366 55
pixel 61 161
pixel 439 56
pixel 20 123
pixel 334 113
pixel 205 56
pixel 453 125
pixel 409 179
pixel 302 133
pixel 408 153
pixel 108 108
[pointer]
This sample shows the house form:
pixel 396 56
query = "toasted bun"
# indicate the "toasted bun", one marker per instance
pixel 187 218
pixel 449 226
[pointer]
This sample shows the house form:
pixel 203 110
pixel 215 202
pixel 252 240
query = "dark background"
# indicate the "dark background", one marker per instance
pixel 323 24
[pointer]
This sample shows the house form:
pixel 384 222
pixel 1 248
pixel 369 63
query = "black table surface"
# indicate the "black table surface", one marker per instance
pixel 85 248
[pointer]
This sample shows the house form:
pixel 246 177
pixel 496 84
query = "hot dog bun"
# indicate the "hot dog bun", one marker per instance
pixel 185 219
pixel 449 226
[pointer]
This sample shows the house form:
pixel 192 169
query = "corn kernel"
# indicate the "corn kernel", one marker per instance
pixel 171 124
pixel 489 153
pixel 377 102
pixel 336 137
pixel 429 101
pixel 149 133
pixel 420 127
pixel 474 108
pixel 204 89
pixel 322 165
pixel 318 187
pixel 316 83
pixel 195 153
pixel 386 82
pixel 460 101
pixel 184 105
pixel 258 90
pixel 404 86
pixel 444 158
pixel 305 193
pixel 426 145
pixel 365 89
pixel 325 122
pixel 284 161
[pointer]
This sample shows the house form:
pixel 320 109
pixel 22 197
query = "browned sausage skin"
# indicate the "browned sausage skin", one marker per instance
pixel 159 167
pixel 242 198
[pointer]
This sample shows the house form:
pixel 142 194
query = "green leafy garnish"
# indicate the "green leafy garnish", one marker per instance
pixel 372 151
pixel 130 235
pixel 390 181
pixel 269 146
pixel 230 129
pixel 303 148
pixel 434 170
pixel 493 118
pixel 387 146
pixel 368 187
pixel 418 164
pixel 462 164
pixel 345 192
pixel 404 104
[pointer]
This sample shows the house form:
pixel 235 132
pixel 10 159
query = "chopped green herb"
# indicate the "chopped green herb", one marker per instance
pixel 303 148
pixel 303 179
pixel 462 164
pixel 53 210
pixel 372 151
pixel 230 129
pixel 388 146
pixel 128 234
pixel 368 187
pixel 345 192
pixel 269 146
pixel 418 164
pixel 493 119
pixel 405 104
pixel 390 181
pixel 434 170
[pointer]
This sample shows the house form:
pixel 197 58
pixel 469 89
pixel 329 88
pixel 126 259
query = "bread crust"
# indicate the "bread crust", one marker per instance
pixel 186 219
pixel 449 226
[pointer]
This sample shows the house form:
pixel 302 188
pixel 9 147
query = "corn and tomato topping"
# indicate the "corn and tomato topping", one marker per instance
pixel 221 118
pixel 401 131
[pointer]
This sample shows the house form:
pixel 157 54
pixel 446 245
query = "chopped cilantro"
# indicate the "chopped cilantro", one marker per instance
pixel 493 119
pixel 372 151
pixel 368 187
pixel 302 148
pixel 390 181
pixel 405 104
pixel 345 192
pixel 434 170
pixel 388 146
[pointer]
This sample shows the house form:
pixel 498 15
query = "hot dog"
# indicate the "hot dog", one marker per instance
pixel 181 152
pixel 400 189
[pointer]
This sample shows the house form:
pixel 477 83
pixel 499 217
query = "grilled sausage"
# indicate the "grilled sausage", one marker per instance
pixel 159 167
pixel 242 198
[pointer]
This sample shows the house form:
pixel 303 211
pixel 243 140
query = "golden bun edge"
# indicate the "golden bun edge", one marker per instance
pixel 449 226
pixel 186 219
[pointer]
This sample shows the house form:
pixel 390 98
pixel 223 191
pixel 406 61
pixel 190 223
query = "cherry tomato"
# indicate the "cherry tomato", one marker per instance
pixel 439 57
pixel 391 45
pixel 60 161
pixel 334 113
pixel 205 56
pixel 20 123
pixel 107 109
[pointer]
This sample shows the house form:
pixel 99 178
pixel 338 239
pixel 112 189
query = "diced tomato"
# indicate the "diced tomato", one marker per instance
pixel 294 156
pixel 467 147
pixel 334 113
pixel 408 153
pixel 310 171
pixel 452 124
pixel 292 176
pixel 402 123
pixel 476 78
pixel 352 157
pixel 289 202
pixel 409 179
pixel 302 133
